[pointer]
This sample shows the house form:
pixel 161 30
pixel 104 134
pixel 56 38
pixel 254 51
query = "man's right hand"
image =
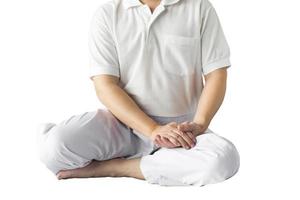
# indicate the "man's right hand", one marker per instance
pixel 170 136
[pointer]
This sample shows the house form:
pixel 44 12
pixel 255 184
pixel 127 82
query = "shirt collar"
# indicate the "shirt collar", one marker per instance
pixel 133 3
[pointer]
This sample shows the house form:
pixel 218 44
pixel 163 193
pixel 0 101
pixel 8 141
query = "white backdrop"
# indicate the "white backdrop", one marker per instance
pixel 44 78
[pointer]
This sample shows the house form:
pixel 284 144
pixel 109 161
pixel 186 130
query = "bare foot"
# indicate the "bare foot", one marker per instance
pixel 94 169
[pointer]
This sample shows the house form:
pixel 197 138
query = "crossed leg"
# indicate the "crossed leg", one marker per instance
pixel 118 167
pixel 213 159
pixel 96 144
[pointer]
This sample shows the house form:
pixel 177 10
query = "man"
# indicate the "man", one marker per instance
pixel 148 60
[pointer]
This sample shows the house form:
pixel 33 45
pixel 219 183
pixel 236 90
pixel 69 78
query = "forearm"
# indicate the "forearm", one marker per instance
pixel 211 97
pixel 125 109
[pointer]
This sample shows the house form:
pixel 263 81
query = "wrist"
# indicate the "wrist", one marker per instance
pixel 151 129
pixel 202 121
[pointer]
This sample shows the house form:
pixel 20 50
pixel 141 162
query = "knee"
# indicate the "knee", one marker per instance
pixel 223 164
pixel 59 138
pixel 53 150
pixel 214 159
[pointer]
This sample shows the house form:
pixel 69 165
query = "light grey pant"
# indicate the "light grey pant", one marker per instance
pixel 99 135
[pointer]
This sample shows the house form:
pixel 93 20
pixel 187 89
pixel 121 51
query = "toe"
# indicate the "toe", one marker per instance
pixel 59 175
pixel 63 174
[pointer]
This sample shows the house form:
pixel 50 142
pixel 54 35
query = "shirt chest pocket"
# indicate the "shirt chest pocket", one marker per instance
pixel 180 54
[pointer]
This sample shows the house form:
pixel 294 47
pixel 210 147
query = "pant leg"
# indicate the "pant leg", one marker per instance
pixel 74 142
pixel 213 159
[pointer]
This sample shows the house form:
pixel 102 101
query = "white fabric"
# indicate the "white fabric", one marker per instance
pixel 159 57
pixel 98 135
pixel 212 160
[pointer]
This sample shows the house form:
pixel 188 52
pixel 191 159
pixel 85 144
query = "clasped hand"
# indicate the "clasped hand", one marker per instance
pixel 173 135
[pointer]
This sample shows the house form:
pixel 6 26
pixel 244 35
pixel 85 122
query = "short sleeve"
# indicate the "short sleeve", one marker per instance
pixel 215 52
pixel 103 58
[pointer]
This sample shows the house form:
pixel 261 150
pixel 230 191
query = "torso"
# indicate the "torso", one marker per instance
pixel 158 54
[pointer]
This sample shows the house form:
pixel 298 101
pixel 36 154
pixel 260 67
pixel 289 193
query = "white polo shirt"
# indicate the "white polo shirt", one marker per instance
pixel 159 57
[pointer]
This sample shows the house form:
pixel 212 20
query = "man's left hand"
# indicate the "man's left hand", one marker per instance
pixel 193 127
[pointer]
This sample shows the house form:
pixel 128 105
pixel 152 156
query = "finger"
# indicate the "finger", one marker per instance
pixel 169 142
pixel 186 138
pixel 179 138
pixel 174 141
pixel 164 142
pixel 158 142
pixel 180 127
pixel 158 139
pixel 192 136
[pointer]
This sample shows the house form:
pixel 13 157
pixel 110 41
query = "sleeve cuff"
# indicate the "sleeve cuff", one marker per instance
pixel 225 62
pixel 103 70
